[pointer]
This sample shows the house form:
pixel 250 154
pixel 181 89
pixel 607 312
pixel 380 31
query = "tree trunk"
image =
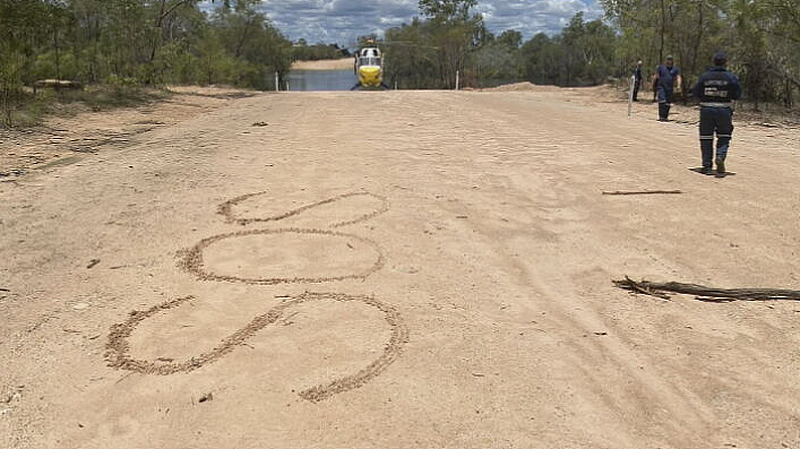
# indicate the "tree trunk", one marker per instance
pixel 243 39
pixel 695 51
pixel 7 104
pixel 58 54
pixel 663 31
pixel 157 31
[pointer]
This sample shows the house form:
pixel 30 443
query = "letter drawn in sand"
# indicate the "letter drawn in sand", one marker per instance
pixel 118 347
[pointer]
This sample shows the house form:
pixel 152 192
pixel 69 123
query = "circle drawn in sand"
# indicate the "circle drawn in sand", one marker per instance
pixel 226 209
pixel 118 347
pixel 193 259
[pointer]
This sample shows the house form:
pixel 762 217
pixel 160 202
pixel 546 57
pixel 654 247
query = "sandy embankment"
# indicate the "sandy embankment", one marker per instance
pixel 325 64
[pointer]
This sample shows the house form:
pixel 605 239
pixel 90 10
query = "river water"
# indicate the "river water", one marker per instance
pixel 321 79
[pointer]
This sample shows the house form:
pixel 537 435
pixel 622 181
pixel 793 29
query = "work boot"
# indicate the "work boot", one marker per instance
pixel 663 112
pixel 707 154
pixel 720 167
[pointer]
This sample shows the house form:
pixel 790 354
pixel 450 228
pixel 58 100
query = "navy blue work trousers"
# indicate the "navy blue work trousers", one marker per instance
pixel 719 121
pixel 664 102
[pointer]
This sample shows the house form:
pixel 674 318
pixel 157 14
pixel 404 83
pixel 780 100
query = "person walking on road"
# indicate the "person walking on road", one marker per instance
pixel 716 89
pixel 637 80
pixel 667 76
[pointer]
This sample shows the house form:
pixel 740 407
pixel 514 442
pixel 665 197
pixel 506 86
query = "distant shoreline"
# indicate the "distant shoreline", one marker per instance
pixel 324 64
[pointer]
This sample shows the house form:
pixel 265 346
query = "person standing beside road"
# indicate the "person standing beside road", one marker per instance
pixel 637 80
pixel 716 89
pixel 667 76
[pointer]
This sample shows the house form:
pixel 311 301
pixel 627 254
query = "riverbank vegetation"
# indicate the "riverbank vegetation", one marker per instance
pixel 302 51
pixel 124 45
pixel 762 39
pixel 118 46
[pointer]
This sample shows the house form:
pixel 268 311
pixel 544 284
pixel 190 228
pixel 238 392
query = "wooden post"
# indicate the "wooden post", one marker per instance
pixel 277 83
pixel 458 80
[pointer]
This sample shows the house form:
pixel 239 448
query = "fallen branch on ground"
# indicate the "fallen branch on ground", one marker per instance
pixel 56 84
pixel 704 293
pixel 642 192
pixel 635 287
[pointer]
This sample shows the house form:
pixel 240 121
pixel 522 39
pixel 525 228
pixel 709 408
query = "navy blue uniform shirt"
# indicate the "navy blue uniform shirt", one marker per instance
pixel 666 76
pixel 717 85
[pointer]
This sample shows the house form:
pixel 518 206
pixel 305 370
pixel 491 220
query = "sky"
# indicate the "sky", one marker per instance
pixel 342 21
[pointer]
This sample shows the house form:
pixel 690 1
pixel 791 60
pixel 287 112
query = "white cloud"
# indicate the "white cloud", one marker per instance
pixel 342 21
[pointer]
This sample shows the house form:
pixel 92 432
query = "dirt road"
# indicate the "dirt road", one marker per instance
pixel 401 269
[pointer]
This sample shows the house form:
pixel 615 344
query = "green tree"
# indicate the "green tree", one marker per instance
pixel 511 39
pixel 582 54
pixel 762 38
pixel 128 43
pixel 447 10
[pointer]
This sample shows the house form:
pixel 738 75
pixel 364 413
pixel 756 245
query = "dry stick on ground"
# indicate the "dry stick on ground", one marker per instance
pixel 642 192
pixel 704 293
pixel 634 287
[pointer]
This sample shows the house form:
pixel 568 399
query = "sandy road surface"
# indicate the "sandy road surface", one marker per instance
pixel 62 137
pixel 458 253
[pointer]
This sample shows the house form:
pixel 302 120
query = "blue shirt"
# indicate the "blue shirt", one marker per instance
pixel 717 86
pixel 666 76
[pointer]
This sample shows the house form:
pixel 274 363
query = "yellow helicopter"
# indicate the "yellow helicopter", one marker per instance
pixel 368 67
